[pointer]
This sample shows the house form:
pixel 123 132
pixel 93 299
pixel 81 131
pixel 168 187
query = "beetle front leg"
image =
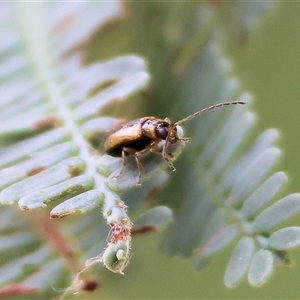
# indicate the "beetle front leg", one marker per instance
pixel 168 161
pixel 163 154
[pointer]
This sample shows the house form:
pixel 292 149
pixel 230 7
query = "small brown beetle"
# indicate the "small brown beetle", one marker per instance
pixel 143 135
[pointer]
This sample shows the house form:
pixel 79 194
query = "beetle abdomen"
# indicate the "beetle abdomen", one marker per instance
pixel 136 145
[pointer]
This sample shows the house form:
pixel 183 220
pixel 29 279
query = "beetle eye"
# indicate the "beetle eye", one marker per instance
pixel 161 131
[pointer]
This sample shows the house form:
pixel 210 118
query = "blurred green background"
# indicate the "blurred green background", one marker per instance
pixel 268 65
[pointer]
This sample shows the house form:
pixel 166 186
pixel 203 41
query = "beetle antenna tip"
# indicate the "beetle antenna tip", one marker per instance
pixel 206 109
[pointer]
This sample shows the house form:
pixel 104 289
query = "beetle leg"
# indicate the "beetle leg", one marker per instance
pixel 163 154
pixel 125 152
pixel 152 148
pixel 137 155
pixel 168 160
pixel 139 165
pixel 130 151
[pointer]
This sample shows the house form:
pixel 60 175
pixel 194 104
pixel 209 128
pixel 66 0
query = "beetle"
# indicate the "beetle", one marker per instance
pixel 143 135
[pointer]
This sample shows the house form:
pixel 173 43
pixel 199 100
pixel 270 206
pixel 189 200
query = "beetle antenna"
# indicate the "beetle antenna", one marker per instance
pixel 206 109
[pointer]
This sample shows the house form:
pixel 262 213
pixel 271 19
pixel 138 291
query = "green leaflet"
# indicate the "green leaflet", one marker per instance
pixel 285 238
pixel 261 267
pixel 54 175
pixel 40 198
pixel 277 213
pixel 239 261
pixel 153 220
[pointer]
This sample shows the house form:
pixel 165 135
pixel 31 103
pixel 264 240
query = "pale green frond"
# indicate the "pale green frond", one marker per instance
pixel 53 123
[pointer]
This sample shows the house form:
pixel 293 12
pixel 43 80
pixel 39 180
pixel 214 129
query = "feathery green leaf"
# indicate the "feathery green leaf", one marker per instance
pixel 223 194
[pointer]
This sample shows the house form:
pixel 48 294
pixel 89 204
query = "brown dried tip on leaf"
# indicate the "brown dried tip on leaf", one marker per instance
pixel 90 285
pixel 142 230
pixel 284 257
pixel 150 197
pixel 81 284
pixel 74 171
pixel 66 23
pixel 46 123
pixel 105 84
pixel 35 171
pixel 61 215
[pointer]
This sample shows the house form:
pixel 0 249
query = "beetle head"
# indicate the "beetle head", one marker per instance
pixel 167 131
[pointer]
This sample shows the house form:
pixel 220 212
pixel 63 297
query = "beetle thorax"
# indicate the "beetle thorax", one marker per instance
pixel 149 128
pixel 160 129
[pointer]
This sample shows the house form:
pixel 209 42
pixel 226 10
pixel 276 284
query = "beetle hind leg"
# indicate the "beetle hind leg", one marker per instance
pixel 129 151
pixel 139 166
pixel 125 152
